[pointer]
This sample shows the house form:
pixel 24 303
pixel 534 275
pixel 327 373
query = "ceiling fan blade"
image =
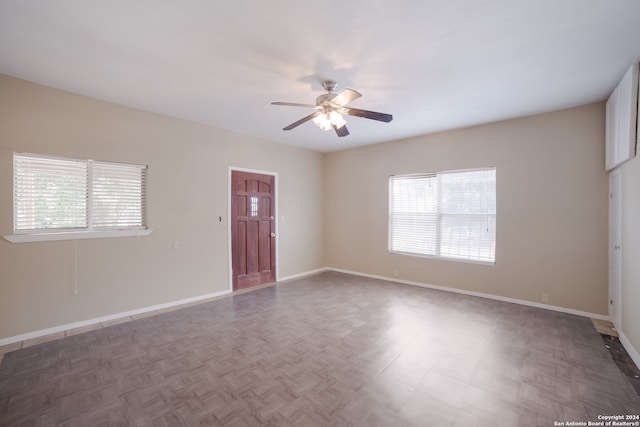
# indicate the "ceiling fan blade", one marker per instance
pixel 382 117
pixel 301 121
pixel 294 104
pixel 341 131
pixel 344 97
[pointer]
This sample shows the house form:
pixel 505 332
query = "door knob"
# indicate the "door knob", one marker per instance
pixel 273 234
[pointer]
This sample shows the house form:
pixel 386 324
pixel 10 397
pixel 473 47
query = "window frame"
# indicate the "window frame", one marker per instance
pixel 89 231
pixel 438 217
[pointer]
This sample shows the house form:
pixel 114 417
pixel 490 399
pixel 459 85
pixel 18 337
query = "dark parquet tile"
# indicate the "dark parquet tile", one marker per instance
pixel 331 349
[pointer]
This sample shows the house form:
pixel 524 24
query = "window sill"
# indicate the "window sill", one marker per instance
pixel 444 258
pixel 75 235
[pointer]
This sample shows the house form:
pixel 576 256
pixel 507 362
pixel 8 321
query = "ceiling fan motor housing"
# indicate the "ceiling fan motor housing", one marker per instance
pixel 326 97
pixel 329 85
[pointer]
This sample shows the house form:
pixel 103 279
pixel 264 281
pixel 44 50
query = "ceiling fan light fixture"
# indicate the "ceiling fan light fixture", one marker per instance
pixel 336 119
pixel 323 122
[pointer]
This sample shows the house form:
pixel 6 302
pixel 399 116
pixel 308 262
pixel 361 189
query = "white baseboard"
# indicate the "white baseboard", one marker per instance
pixel 301 275
pixel 477 294
pixel 68 326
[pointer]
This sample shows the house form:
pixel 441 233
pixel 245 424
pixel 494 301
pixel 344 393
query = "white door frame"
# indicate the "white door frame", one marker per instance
pixel 615 248
pixel 275 214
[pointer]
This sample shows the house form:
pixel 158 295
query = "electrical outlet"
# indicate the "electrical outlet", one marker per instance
pixel 175 245
pixel 545 297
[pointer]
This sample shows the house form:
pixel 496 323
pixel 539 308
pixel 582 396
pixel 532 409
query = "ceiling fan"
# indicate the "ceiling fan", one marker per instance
pixel 331 106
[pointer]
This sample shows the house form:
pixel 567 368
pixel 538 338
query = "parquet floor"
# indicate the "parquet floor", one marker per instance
pixel 331 349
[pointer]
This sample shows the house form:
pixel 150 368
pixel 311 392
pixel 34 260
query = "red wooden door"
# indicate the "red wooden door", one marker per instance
pixel 252 229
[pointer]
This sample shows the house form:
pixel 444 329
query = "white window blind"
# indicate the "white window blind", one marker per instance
pixel 118 195
pixel 60 195
pixel 448 214
pixel 414 215
pixel 49 194
pixel 467 208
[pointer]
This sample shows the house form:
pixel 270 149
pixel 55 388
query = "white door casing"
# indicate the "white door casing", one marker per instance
pixel 615 248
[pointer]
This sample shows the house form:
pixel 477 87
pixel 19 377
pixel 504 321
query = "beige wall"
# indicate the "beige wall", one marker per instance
pixel 631 253
pixel 551 207
pixel 187 192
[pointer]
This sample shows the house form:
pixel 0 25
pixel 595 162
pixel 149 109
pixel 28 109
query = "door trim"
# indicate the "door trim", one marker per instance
pixel 615 255
pixel 229 234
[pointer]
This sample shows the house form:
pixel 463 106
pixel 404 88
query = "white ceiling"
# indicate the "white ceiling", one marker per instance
pixel 433 64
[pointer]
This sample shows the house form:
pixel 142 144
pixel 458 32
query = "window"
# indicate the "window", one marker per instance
pixel 446 214
pixel 254 206
pixel 57 195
